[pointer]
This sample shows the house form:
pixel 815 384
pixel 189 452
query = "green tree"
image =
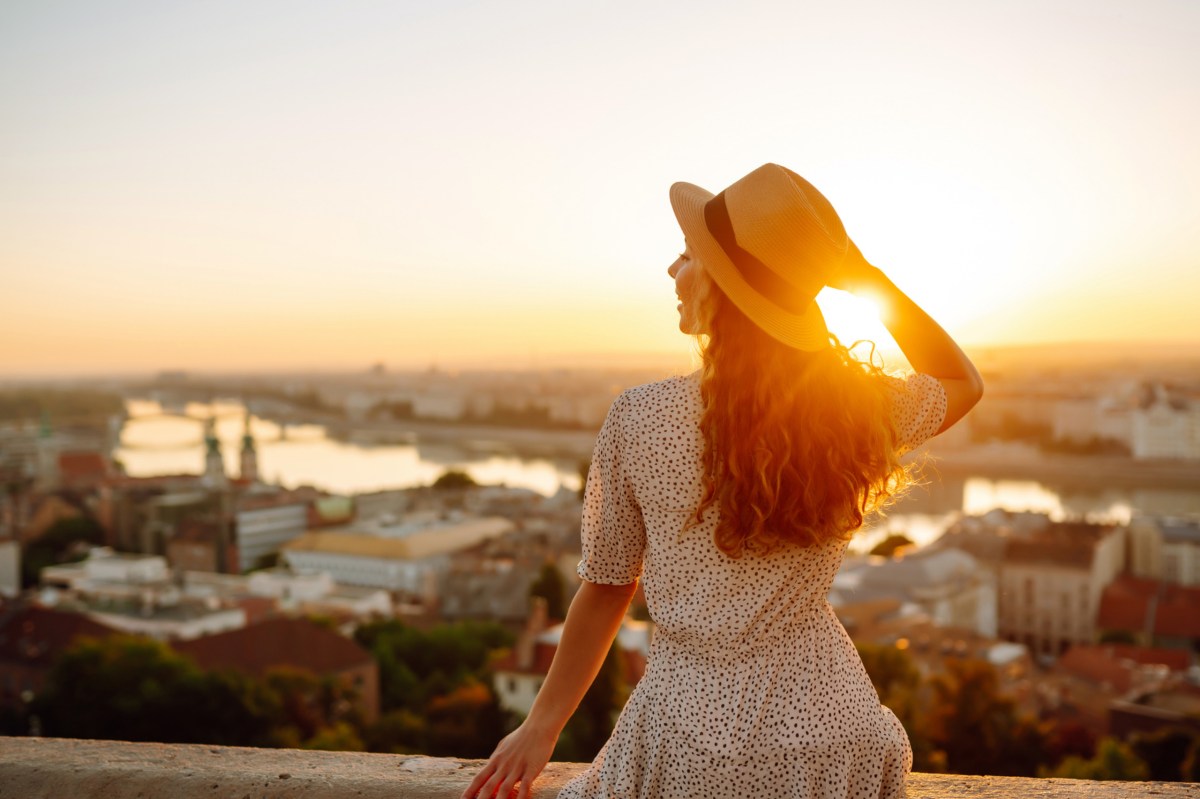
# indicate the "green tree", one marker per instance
pixel 888 547
pixel 549 586
pixel 134 689
pixel 466 722
pixel 399 732
pixel 454 479
pixel 1113 761
pixel 592 723
pixel 981 731
pixel 417 665
pixel 900 687
pixel 341 737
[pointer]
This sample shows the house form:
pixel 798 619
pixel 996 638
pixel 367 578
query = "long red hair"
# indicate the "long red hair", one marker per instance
pixel 798 446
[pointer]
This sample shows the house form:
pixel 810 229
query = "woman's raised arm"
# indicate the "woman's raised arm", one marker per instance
pixel 592 622
pixel 928 347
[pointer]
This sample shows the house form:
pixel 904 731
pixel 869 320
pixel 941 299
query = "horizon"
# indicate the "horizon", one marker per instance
pixel 1085 354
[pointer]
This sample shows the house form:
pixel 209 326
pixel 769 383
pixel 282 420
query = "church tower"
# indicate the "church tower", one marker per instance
pixel 214 464
pixel 47 455
pixel 249 462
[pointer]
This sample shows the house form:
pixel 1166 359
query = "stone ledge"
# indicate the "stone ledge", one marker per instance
pixel 32 768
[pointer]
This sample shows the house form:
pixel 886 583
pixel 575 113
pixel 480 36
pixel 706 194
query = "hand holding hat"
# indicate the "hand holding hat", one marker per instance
pixel 855 273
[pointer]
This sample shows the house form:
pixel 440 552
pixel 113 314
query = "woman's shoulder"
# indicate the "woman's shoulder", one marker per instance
pixel 674 391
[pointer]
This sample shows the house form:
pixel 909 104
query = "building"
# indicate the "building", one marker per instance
pixel 289 593
pixel 949 587
pixel 518 676
pixel 411 565
pixel 264 524
pixel 1165 548
pixel 1051 582
pixel 10 568
pixel 1166 426
pixel 136 594
pixel 295 644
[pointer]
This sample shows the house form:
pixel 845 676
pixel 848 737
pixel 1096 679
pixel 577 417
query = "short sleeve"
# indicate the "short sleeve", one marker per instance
pixel 918 408
pixel 613 534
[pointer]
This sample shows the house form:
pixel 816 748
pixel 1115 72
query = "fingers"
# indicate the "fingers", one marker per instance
pixel 492 786
pixel 491 782
pixel 480 778
pixel 526 782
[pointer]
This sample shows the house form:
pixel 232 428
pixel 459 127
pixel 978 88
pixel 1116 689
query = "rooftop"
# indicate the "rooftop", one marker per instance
pixel 437 541
pixel 277 642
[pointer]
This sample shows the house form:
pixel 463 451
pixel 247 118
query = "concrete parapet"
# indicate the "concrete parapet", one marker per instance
pixel 32 768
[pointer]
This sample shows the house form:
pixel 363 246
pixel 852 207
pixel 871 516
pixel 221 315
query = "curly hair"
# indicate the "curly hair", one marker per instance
pixel 798 446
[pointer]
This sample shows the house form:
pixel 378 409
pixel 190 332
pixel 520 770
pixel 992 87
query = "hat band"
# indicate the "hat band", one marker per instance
pixel 760 276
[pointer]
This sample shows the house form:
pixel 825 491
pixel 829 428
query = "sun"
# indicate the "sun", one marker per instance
pixel 852 318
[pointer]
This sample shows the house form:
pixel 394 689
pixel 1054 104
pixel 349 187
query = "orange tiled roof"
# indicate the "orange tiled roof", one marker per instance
pixel 277 642
pixel 1178 613
pixel 78 466
pixel 36 636
pixel 1094 664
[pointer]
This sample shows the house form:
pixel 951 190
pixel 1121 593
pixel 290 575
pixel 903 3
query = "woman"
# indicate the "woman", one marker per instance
pixel 732 492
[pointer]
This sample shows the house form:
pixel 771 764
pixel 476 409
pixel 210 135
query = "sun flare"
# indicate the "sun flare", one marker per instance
pixel 852 318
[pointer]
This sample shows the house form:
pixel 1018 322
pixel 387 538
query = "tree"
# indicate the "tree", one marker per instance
pixel 341 737
pixel 1070 738
pixel 134 689
pixel 549 586
pixel 979 730
pixel 415 666
pixel 454 479
pixel 467 722
pixel 400 732
pixel 585 466
pixel 1113 761
pixel 899 685
pixel 889 546
pixel 1189 770
pixel 1164 751
pixel 592 723
pixel 63 541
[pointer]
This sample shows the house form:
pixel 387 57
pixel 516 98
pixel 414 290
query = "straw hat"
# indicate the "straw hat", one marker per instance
pixel 770 241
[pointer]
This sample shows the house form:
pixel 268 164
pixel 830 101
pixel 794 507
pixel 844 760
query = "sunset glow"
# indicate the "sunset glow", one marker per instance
pixel 264 186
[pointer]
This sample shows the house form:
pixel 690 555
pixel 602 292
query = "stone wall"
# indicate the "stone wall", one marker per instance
pixel 56 768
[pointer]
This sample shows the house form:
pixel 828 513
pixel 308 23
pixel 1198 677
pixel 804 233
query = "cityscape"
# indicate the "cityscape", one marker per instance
pixel 1050 560
pixel 313 318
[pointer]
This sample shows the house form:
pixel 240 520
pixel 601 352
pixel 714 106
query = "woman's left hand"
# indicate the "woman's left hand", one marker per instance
pixel 519 757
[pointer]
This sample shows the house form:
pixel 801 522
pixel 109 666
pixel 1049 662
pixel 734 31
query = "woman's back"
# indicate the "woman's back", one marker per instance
pixel 751 678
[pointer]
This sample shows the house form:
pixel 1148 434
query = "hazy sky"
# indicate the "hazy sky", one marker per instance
pixel 212 185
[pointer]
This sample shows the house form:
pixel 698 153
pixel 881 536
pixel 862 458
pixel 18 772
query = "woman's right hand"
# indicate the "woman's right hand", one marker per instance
pixel 855 273
pixel 519 757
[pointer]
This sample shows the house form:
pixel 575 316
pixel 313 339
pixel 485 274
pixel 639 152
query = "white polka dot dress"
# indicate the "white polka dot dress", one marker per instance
pixel 752 687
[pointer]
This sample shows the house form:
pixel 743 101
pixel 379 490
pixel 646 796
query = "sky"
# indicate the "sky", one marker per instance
pixel 267 186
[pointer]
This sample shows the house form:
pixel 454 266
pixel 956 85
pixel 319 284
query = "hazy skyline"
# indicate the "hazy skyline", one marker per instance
pixel 274 185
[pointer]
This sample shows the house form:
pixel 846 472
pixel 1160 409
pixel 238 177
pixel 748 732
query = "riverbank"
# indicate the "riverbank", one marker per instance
pixel 1100 471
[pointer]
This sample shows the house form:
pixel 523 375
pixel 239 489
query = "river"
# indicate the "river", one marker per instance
pixel 156 443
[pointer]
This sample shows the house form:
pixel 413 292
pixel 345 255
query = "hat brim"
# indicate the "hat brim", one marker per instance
pixel 804 331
